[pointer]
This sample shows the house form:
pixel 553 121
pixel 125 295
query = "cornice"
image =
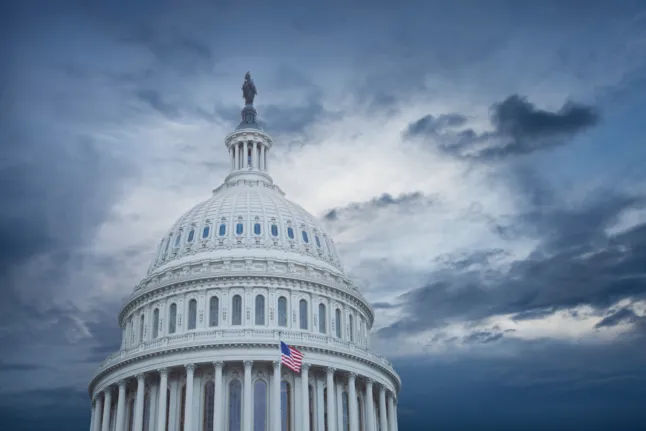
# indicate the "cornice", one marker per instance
pixel 369 361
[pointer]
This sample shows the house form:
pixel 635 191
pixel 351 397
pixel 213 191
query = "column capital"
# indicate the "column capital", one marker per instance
pixel 276 364
pixel 163 371
pixel 382 388
pixel 352 376
pixel 331 370
pixel 305 367
pixel 190 368
pixel 140 377
pixel 248 364
pixel 369 381
pixel 218 364
pixel 121 383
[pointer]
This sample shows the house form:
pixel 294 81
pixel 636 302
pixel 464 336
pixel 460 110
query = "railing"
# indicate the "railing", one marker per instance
pixel 225 336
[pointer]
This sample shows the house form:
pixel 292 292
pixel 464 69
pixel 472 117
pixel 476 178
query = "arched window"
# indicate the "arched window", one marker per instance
pixel 318 241
pixel 235 405
pixel 260 406
pixel 214 310
pixel 156 323
pixel 282 311
pixel 142 323
pixel 191 235
pixel 147 412
pixel 192 313
pixel 256 229
pixel 182 408
pixel 236 310
pixel 172 319
pixel 285 406
pixel 302 308
pixel 239 229
pixel 260 310
pixel 337 322
pixel 167 408
pixel 205 231
pixel 209 394
pixel 290 232
pixel 178 237
pixel 322 318
pixel 305 237
pixel 131 414
pixel 223 229
pixel 274 230
pixel 351 327
pixel 346 412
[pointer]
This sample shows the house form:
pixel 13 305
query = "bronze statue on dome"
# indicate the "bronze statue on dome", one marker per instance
pixel 248 89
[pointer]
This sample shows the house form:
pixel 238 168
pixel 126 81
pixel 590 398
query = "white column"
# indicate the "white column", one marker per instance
pixel 245 157
pixel 305 398
pixel 320 403
pixel 92 414
pixel 254 155
pixel 265 160
pixel 231 159
pixel 331 395
pixel 392 414
pixel 163 400
pixel 383 419
pixel 218 397
pixel 247 406
pixel 352 402
pixel 99 413
pixel 239 152
pixel 107 403
pixel 370 406
pixel 339 406
pixel 262 157
pixel 121 407
pixel 139 403
pixel 188 406
pixel 275 398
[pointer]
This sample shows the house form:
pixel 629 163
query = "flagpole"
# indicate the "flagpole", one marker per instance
pixel 279 422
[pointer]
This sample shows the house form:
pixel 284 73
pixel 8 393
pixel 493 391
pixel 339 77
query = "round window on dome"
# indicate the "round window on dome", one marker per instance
pixel 191 236
pixel 239 229
pixel 256 229
pixel 305 237
pixel 274 230
pixel 223 229
pixel 290 233
pixel 205 231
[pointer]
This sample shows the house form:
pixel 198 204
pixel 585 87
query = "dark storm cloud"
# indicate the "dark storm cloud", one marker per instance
pixel 386 200
pixel 543 385
pixel 518 128
pixel 155 100
pixel 577 263
pixel 623 315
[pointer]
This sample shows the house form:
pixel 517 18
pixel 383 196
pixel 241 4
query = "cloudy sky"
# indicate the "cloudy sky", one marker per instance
pixel 480 165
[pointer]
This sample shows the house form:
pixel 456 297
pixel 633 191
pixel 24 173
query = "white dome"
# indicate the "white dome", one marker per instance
pixel 237 276
pixel 247 218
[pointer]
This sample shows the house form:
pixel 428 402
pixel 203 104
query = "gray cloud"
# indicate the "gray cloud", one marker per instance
pixel 359 209
pixel 623 315
pixel 518 128
pixel 576 263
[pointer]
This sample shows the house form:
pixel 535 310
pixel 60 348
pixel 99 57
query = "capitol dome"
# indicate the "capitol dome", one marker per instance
pixel 234 277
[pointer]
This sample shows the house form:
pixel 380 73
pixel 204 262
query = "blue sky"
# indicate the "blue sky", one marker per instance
pixel 479 164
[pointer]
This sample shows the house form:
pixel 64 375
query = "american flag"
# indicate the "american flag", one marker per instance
pixel 290 357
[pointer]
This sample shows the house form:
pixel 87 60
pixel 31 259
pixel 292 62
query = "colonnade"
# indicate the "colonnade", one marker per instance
pixel 248 154
pixel 351 405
